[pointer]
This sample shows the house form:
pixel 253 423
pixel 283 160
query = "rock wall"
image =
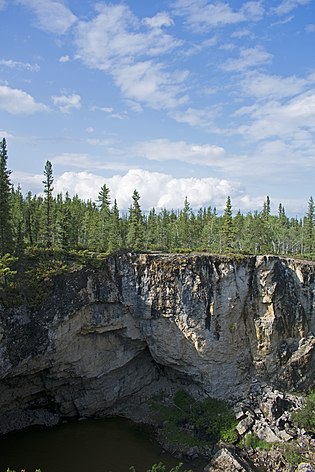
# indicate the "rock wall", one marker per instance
pixel 104 335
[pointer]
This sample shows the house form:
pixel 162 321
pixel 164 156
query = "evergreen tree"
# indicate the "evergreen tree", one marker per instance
pixel 309 226
pixel 227 228
pixel 105 213
pixel 48 189
pixel 135 237
pixel 152 239
pixel 6 231
pixel 17 205
pixel 184 226
pixel 114 238
pixel 266 227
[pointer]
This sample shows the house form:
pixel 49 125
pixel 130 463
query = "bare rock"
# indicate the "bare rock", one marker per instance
pixel 225 460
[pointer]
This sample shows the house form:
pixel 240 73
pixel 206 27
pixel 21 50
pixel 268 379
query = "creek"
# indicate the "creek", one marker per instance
pixel 107 445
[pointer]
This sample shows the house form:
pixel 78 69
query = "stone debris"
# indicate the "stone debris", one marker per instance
pixel 266 413
pixel 227 461
pixel 305 467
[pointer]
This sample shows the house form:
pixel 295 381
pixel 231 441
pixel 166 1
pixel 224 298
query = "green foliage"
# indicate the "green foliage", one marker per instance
pixel 11 470
pixel 305 417
pixel 252 441
pixel 291 454
pixel 61 222
pixel 189 422
pixel 6 232
pixel 7 274
pixel 160 467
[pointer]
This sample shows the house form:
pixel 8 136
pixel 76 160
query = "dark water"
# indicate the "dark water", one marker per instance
pixel 110 445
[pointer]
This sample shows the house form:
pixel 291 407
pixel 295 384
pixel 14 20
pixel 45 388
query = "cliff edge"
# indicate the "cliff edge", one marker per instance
pixel 104 335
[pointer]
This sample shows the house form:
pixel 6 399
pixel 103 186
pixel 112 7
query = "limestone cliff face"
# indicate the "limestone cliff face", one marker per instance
pixel 105 334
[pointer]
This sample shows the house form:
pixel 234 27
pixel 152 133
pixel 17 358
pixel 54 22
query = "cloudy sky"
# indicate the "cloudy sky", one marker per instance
pixel 171 97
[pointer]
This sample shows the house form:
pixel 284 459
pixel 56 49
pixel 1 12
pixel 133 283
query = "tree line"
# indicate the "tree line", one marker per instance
pixel 70 223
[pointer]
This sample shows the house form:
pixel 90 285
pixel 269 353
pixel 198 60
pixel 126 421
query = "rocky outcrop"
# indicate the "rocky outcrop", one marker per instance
pixel 107 335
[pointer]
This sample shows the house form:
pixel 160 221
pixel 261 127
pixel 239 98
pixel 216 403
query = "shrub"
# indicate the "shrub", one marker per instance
pixel 160 467
pixel 189 422
pixel 251 440
pixel 305 417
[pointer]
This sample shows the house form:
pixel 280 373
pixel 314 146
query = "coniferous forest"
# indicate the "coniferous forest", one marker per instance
pixel 61 222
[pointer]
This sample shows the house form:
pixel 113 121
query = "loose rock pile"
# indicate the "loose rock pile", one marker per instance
pixel 266 413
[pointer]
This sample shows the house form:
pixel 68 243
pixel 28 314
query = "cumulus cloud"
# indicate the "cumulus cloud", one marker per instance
pixel 248 58
pixel 18 102
pixel 118 43
pixel 164 150
pixel 52 15
pixel 66 103
pixel 11 64
pixel 202 15
pixel 156 189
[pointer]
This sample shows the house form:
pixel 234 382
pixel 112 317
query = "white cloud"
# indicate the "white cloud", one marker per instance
pixel 241 33
pixel 99 142
pixel 26 179
pixel 5 134
pixel 286 6
pixel 310 28
pixel 134 106
pixel 265 86
pixel 156 189
pixel 52 15
pixel 67 102
pixel 89 129
pixel 119 115
pixel 159 20
pixel 118 43
pixel 86 162
pixel 202 15
pixel 198 117
pixel 104 109
pixel 11 64
pixel 150 83
pixel 249 57
pixel 292 119
pixel 164 150
pixel 65 58
pixel 18 102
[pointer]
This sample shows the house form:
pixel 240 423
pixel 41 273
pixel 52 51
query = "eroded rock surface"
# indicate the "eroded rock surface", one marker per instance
pixel 105 335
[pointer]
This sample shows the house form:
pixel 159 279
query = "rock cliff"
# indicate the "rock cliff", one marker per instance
pixel 104 335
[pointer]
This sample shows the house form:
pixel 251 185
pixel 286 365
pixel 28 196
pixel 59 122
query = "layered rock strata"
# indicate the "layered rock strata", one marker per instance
pixel 103 335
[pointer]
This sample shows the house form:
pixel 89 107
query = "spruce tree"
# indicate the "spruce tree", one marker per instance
pixel 6 232
pixel 105 213
pixel 48 189
pixel 309 226
pixel 135 237
pixel 114 237
pixel 227 229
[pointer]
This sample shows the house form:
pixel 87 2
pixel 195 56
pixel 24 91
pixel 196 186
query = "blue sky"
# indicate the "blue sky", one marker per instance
pixel 174 98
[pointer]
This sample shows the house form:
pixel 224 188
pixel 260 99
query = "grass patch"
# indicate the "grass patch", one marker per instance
pixel 189 422
pixel 252 441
